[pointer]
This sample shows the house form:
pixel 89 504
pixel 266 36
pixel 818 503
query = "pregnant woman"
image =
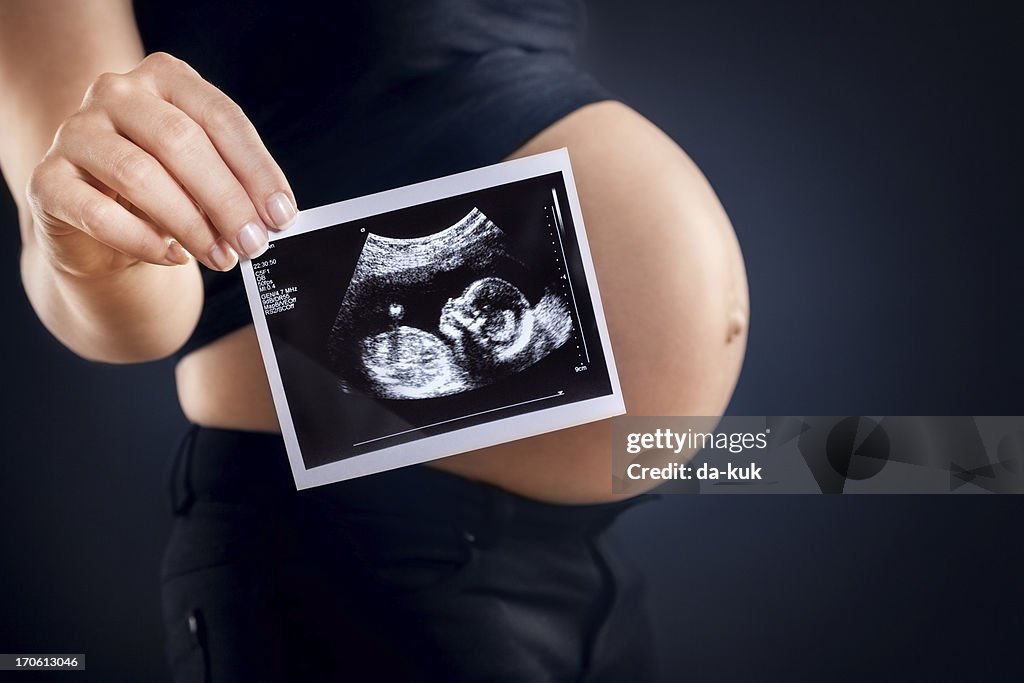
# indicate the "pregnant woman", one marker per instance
pixel 141 180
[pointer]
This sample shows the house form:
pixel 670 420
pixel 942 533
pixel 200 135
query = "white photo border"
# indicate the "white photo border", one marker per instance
pixel 462 439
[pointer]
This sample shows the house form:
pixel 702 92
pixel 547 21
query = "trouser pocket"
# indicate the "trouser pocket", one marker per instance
pixel 411 555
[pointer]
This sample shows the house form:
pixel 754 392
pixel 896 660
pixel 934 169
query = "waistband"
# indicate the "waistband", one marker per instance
pixel 251 468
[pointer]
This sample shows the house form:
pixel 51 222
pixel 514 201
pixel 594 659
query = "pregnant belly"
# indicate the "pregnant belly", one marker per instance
pixel 224 385
pixel 673 289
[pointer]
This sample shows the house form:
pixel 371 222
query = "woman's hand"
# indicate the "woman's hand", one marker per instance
pixel 156 163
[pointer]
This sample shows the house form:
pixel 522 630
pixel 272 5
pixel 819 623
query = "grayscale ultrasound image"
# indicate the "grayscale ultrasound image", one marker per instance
pixel 421 320
pixel 440 314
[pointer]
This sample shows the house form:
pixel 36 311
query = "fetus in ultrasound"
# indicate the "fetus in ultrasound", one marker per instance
pixel 493 328
pixel 440 315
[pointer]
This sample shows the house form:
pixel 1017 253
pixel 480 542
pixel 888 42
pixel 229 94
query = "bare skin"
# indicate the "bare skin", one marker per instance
pixel 669 267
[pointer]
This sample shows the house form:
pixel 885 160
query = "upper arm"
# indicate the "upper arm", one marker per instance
pixel 50 52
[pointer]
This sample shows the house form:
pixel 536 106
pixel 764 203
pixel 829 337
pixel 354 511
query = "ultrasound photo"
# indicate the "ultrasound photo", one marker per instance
pixel 441 314
pixel 432 320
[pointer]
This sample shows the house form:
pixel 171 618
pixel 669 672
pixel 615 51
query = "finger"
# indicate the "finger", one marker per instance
pixel 96 214
pixel 231 133
pixel 184 149
pixel 134 174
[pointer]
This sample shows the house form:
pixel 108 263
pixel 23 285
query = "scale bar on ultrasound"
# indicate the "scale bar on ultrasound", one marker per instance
pixel 461 417
pixel 565 265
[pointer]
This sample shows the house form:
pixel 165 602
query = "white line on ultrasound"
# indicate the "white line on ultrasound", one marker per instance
pixel 461 417
pixel 565 264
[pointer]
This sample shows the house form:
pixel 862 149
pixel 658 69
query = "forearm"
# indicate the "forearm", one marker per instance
pixel 49 54
pixel 142 313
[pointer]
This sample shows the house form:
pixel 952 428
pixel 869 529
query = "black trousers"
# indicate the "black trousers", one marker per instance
pixel 409 575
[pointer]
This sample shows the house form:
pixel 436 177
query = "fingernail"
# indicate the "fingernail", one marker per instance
pixel 281 210
pixel 177 254
pixel 222 256
pixel 252 240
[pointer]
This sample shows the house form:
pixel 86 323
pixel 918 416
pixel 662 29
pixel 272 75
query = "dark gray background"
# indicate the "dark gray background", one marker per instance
pixel 869 157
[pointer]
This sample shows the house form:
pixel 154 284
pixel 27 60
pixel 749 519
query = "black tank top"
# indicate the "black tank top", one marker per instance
pixel 358 97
